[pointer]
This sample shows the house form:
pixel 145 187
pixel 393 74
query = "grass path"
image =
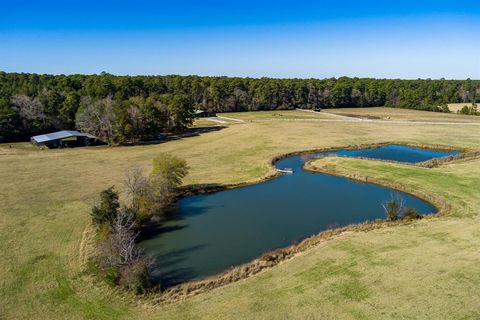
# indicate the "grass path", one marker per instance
pixel 231 119
pixel 215 120
pixel 375 121
pixel 326 113
pixel 429 269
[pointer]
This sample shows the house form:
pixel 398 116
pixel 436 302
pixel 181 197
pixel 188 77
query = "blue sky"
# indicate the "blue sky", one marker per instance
pixel 383 39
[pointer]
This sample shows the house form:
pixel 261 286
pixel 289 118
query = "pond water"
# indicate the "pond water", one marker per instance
pixel 207 234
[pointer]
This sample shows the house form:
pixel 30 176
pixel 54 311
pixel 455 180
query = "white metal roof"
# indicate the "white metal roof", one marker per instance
pixel 60 135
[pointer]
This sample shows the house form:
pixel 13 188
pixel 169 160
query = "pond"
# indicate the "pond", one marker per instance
pixel 207 234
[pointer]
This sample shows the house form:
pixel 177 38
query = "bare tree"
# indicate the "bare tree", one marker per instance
pixel 136 117
pixel 135 183
pixel 32 111
pixel 124 234
pixel 120 248
pixel 97 118
pixel 120 253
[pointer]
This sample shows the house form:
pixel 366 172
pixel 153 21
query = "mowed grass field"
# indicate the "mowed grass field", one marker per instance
pixel 383 113
pixel 275 114
pixel 429 269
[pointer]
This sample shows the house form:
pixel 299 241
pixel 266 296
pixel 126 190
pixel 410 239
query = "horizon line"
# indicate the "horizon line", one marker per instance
pixel 104 73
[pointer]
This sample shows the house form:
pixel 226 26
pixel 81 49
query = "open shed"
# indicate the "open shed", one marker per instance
pixel 198 113
pixel 64 139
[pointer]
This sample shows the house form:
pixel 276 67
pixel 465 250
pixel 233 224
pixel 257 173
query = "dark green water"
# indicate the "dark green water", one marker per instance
pixel 207 234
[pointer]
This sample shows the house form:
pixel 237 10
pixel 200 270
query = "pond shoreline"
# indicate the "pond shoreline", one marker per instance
pixel 198 189
pixel 272 258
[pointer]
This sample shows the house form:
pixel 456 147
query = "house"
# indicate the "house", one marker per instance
pixel 64 139
pixel 198 113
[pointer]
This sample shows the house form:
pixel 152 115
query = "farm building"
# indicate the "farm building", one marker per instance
pixel 64 139
pixel 198 113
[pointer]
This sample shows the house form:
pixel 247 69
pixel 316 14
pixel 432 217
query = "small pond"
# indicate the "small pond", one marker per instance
pixel 207 234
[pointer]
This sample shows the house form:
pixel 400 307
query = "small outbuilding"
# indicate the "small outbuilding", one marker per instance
pixel 198 113
pixel 64 139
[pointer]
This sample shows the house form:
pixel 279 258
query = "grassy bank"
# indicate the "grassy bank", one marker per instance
pixel 428 269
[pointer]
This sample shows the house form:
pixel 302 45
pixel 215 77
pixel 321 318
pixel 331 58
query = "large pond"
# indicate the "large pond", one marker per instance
pixel 207 234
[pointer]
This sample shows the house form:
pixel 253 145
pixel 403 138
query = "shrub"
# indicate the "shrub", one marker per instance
pixel 103 231
pixel 107 210
pixel 444 108
pixel 411 213
pixel 167 175
pixel 472 110
pixel 112 275
pixel 119 257
pixel 394 208
pixel 136 275
pixel 173 169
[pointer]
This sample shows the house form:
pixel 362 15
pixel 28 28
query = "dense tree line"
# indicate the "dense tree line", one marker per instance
pixel 128 108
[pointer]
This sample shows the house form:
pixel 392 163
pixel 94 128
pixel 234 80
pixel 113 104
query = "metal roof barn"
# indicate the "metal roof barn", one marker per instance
pixel 56 139
pixel 198 113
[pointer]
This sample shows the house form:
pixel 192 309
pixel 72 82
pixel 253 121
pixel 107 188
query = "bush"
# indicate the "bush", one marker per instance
pixel 106 212
pixel 159 192
pixel 121 260
pixel 444 108
pixel 171 168
pixel 394 208
pixel 472 110
pixel 136 275
pixel 411 213
pixel 112 275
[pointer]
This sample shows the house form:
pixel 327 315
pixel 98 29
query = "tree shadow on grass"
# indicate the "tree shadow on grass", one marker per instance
pixel 191 132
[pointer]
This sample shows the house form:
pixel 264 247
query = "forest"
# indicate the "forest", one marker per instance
pixel 126 109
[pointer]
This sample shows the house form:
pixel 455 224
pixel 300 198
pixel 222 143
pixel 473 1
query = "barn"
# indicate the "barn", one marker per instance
pixel 198 113
pixel 64 139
